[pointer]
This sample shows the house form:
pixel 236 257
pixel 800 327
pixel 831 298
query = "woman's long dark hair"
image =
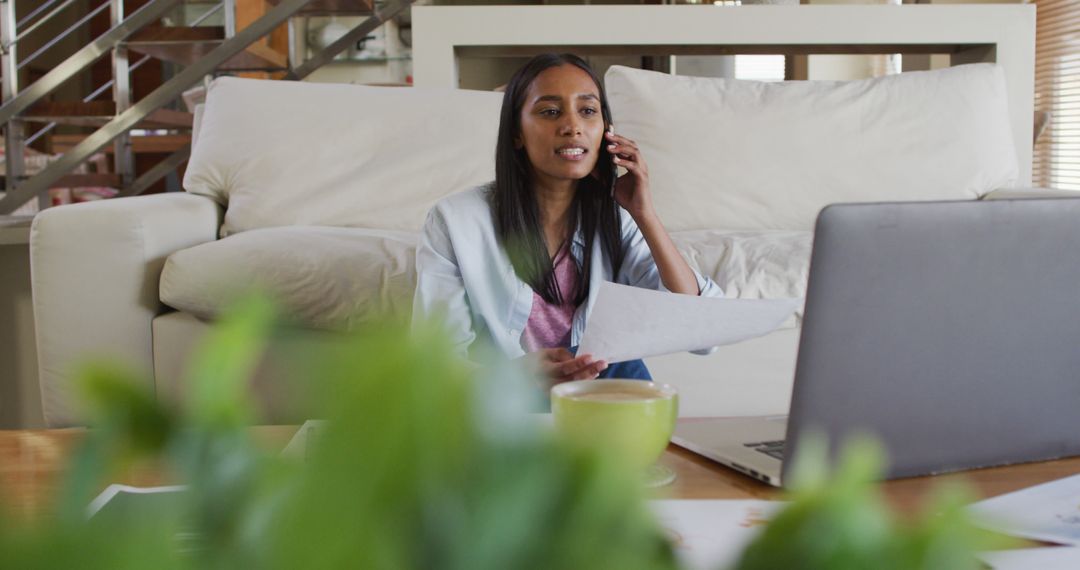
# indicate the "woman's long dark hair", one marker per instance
pixel 516 211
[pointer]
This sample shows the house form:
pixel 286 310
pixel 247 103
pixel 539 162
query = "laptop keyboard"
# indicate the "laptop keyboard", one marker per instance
pixel 773 449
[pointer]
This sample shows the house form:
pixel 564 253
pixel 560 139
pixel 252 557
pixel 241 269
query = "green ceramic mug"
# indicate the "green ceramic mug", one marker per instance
pixel 633 418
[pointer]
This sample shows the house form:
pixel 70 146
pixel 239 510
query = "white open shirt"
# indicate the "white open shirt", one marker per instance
pixel 463 271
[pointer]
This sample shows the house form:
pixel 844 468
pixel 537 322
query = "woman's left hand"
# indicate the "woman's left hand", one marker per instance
pixel 631 189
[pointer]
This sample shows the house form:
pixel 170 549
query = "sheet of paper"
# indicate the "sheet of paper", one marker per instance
pixel 300 443
pixel 1049 512
pixel 630 322
pixel 116 494
pixel 711 534
pixel 1054 558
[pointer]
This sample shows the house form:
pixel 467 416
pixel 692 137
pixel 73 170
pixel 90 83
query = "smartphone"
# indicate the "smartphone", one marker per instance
pixel 611 163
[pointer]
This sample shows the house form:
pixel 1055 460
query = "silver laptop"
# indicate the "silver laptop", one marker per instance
pixel 948 330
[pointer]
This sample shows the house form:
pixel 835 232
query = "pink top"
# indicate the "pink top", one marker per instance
pixel 549 324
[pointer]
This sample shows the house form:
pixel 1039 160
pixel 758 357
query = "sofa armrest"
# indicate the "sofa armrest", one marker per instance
pixel 94 272
pixel 1017 193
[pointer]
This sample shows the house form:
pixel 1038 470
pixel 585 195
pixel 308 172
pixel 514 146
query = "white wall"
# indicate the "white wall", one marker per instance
pixel 846 67
pixel 841 67
pixel 20 397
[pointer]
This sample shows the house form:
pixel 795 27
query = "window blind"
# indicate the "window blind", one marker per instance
pixel 1056 162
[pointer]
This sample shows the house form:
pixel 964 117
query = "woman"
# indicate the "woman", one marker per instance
pixel 518 261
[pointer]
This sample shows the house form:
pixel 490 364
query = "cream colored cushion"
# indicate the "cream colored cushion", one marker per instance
pixel 336 278
pixel 732 154
pixel 750 265
pixel 327 278
pixel 280 153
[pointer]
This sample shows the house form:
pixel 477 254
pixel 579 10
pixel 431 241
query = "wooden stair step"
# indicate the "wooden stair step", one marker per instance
pixel 139 143
pixel 186 45
pixel 334 7
pixel 98 113
pixel 84 180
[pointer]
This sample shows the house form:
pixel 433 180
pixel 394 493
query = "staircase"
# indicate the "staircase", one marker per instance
pixel 201 52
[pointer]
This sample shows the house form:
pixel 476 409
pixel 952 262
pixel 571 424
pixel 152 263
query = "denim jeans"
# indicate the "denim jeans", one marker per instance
pixel 626 370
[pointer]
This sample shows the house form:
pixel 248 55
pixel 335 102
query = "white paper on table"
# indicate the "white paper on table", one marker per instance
pixel 630 322
pixel 1052 558
pixel 1049 512
pixel 711 534
pixel 112 491
pixel 300 444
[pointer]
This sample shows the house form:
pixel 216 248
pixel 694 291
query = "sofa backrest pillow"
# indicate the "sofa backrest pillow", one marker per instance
pixel 734 155
pixel 279 153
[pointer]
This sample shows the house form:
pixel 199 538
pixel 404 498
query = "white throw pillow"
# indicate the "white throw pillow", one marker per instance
pixel 327 278
pixel 280 153
pixel 734 154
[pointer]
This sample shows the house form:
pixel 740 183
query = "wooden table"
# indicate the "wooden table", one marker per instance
pixel 700 478
pixel 31 460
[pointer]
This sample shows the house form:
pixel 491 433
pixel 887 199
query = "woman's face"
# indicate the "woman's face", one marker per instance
pixel 562 126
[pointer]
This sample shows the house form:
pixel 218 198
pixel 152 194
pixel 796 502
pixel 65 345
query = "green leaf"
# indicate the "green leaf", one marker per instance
pixel 224 362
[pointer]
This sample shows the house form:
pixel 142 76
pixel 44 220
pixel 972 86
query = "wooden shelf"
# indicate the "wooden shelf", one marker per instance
pixel 726 49
pixel 140 144
pixel 84 180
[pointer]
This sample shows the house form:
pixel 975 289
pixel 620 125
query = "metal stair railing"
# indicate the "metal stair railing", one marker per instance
pixel 364 28
pixel 108 84
pixel 149 13
pixel 156 99
pixel 11 34
pixel 48 45
pixel 168 91
pixel 14 163
pixel 44 6
pixel 156 172
pixel 16 101
pixel 377 19
pixel 93 95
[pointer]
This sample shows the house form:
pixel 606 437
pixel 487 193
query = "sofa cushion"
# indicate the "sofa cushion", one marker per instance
pixel 336 278
pixel 750 265
pixel 280 153
pixel 327 278
pixel 733 154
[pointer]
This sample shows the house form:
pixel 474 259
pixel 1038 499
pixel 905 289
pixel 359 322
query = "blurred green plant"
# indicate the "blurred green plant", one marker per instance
pixel 416 467
pixel 841 522
pixel 424 462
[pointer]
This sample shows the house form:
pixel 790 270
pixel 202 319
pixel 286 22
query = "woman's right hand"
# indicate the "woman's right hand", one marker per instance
pixel 560 365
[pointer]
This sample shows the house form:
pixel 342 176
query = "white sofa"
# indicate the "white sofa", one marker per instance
pixel 316 193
